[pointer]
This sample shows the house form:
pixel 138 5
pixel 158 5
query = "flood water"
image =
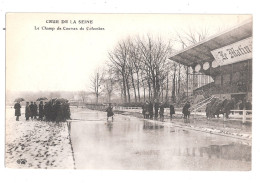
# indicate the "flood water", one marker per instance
pixel 137 144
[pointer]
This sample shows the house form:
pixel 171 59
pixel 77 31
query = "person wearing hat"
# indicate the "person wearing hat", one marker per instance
pixel 17 108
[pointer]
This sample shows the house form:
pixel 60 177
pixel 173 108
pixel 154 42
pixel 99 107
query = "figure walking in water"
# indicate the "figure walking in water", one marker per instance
pixel 110 112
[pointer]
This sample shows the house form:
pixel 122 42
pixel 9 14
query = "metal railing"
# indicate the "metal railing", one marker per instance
pixel 202 103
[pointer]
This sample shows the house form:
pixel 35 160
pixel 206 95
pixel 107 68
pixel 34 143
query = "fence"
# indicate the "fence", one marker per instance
pixel 244 115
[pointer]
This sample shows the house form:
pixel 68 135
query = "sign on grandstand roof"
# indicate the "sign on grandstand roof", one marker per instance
pixel 239 51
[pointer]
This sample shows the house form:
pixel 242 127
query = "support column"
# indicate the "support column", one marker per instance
pixel 187 74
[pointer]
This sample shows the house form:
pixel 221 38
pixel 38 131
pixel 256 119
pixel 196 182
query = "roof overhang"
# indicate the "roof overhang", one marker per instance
pixel 201 52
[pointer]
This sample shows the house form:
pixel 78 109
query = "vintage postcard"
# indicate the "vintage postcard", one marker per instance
pixel 129 91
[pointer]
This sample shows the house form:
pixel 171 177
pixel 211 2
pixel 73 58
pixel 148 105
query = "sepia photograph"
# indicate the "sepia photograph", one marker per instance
pixel 129 91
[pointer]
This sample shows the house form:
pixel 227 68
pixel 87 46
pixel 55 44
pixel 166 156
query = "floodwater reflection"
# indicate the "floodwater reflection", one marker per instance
pixel 229 152
pixel 151 126
pixel 132 143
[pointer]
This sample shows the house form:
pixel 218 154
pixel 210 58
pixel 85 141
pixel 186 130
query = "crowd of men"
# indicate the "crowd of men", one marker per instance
pixel 150 110
pixel 225 107
pixel 52 110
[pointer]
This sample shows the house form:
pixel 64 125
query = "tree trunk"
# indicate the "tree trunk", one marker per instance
pixel 124 88
pixel 128 90
pixel 133 84
pixel 149 89
pixel 173 86
pixel 167 88
pixel 138 87
pixel 157 86
pixel 179 79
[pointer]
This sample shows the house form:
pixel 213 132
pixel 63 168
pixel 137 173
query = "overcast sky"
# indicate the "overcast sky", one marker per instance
pixel 64 59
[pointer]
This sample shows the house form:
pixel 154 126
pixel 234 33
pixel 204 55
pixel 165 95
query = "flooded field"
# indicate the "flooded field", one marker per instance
pixel 137 144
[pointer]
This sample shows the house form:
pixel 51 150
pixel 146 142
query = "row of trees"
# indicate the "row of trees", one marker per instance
pixel 138 69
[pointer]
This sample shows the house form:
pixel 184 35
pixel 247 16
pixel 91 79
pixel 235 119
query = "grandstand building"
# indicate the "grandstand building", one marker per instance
pixel 221 64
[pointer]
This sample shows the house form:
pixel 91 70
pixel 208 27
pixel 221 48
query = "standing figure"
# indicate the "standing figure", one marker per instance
pixel 143 111
pixel 41 111
pixel 54 111
pixel 248 106
pixel 228 105
pixel 241 107
pixel 186 111
pixel 47 111
pixel 161 112
pixel 110 112
pixel 172 110
pixel 17 108
pixel 31 110
pixel 35 110
pixel 59 112
pixel 146 110
pixel 150 109
pixel 27 111
pixel 156 109
pixel 67 110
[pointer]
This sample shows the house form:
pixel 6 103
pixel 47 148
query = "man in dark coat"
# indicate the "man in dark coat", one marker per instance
pixel 156 109
pixel 54 108
pixel 59 112
pixel 17 108
pixel 110 112
pixel 41 112
pixel 27 111
pixel 146 110
pixel 228 106
pixel 150 110
pixel 172 110
pixel 35 110
pixel 161 112
pixel 186 111
pixel 248 106
pixel 31 110
pixel 67 110
pixel 217 108
pixel 47 111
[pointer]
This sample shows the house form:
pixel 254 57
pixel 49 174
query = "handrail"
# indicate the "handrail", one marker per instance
pixel 203 103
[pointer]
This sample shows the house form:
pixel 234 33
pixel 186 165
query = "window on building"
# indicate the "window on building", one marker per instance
pixel 236 76
pixel 218 80
pixel 226 79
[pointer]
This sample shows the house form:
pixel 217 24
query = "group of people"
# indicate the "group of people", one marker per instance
pixel 150 110
pixel 225 106
pixel 50 111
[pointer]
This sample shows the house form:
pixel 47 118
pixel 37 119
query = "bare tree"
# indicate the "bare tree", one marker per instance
pixel 154 55
pixel 83 95
pixel 109 83
pixel 96 81
pixel 190 37
pixel 118 59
